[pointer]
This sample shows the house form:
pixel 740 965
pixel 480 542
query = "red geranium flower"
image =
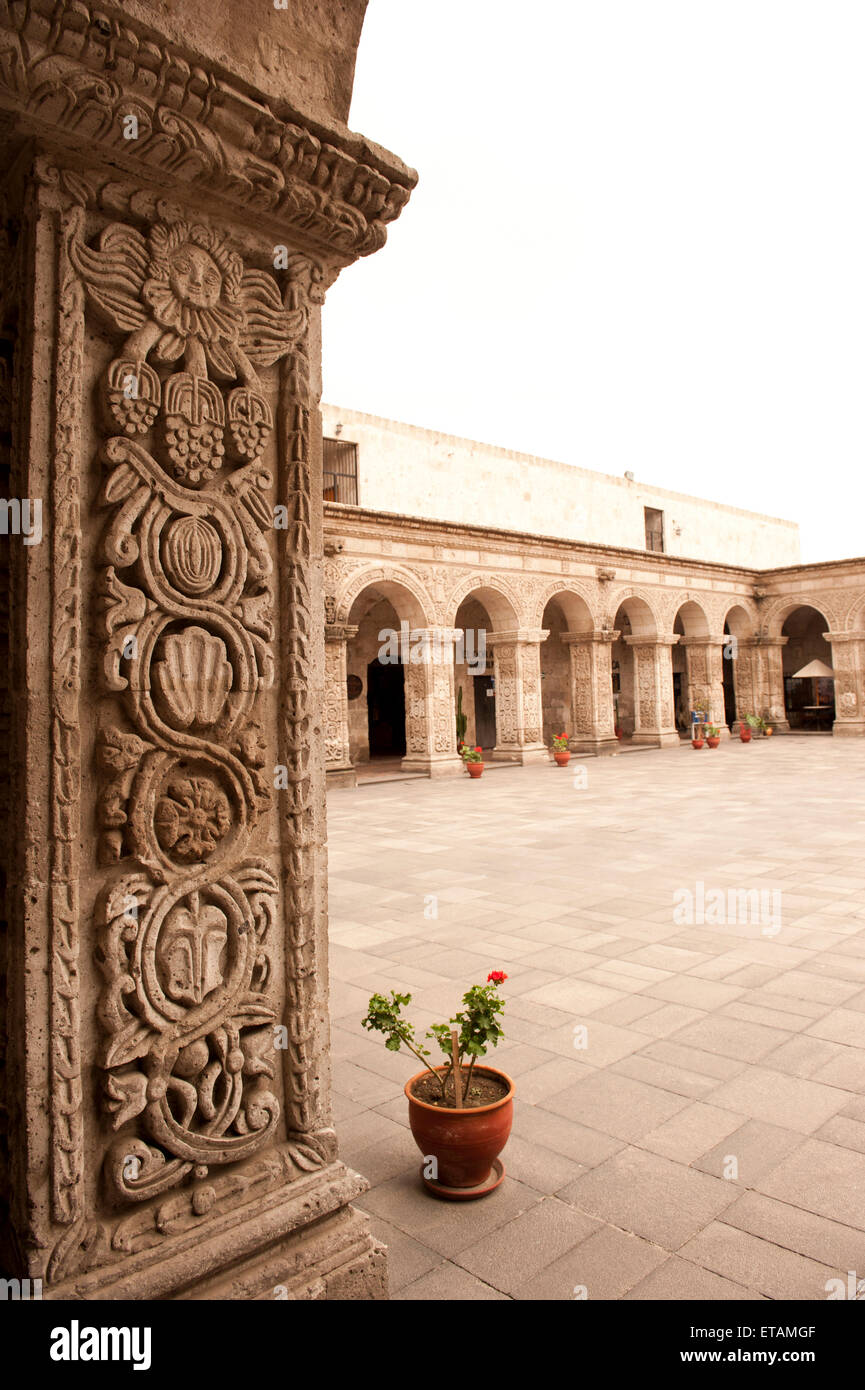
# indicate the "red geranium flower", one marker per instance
pixel 496 977
pixel 479 750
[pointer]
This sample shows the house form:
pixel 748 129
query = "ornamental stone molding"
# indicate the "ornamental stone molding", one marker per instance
pixel 170 229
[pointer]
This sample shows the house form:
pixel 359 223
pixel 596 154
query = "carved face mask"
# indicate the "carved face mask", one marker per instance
pixel 195 277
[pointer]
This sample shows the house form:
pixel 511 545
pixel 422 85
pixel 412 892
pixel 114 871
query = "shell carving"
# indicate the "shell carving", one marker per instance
pixel 195 677
pixel 192 555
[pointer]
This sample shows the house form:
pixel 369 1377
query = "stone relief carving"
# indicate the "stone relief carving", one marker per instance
pixel 185 934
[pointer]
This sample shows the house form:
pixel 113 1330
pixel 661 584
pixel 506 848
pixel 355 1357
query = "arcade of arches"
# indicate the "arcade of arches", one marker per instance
pixel 617 647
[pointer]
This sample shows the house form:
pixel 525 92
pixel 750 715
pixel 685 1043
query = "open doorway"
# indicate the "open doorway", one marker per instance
pixel 386 709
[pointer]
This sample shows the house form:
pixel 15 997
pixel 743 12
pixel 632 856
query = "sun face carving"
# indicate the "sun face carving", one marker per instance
pixel 181 295
pixel 192 290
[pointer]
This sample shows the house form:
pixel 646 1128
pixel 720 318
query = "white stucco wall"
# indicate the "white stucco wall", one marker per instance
pixel 421 473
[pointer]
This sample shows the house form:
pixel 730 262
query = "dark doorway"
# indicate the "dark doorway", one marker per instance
pixel 485 712
pixel 385 704
pixel 730 714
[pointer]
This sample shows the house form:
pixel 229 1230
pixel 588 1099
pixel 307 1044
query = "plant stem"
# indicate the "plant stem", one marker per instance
pixel 412 1048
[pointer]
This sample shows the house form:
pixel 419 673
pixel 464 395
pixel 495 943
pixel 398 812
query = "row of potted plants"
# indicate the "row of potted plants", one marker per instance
pixel 711 733
pixel 474 757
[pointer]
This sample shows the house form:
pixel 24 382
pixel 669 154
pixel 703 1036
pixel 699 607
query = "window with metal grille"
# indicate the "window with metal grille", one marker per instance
pixel 654 528
pixel 340 471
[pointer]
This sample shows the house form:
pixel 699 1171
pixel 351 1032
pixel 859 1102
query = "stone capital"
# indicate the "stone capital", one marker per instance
pixel 518 636
pixel 666 639
pixel 715 639
pixel 596 635
pixel 339 632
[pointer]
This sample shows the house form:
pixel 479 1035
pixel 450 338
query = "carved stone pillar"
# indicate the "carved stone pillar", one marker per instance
pixel 593 721
pixel 166 242
pixel 337 746
pixel 430 703
pixel 655 722
pixel 705 678
pixel 767 665
pixel 848 663
pixel 743 660
pixel 517 674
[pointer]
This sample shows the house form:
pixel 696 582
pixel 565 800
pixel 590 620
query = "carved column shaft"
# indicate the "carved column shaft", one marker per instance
pixel 170 1131
pixel 430 709
pixel 517 674
pixel 337 743
pixel 767 664
pixel 705 678
pixel 653 690
pixel 593 722
pixel 848 663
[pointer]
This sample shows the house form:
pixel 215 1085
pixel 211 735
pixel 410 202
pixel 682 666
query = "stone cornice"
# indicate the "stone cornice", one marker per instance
pixel 347 521
pixel 72 73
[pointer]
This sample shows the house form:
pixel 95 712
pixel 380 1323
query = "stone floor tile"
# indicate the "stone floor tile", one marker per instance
pixel 615 1105
pixel 679 1280
pixel 606 1265
pixel 731 1037
pixel 447 1227
pixel 789 1101
pixel 691 1132
pixel 514 1253
pixel 756 1147
pixel 822 1178
pixel 450 1283
pixel 662 1201
pixel 821 1239
pixel 769 1269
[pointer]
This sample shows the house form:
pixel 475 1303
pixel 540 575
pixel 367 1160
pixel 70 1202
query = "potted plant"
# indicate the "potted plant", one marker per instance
pixel 474 761
pixel 713 735
pixel 697 736
pixel 462 721
pixel 561 752
pixel 745 731
pixel 460 1116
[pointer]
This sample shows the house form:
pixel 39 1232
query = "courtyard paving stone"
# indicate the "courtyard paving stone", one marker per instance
pixel 703 1040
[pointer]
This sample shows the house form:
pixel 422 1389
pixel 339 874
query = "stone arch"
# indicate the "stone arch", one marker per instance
pixel 693 617
pixel 579 605
pixel 403 588
pixel 739 619
pixel 775 614
pixel 497 597
pixel 642 612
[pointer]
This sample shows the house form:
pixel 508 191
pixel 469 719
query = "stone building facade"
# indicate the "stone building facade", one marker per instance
pixel 178 192
pixel 593 639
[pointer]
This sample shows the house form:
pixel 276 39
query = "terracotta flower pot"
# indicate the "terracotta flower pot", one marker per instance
pixel 713 742
pixel 768 732
pixel 464 1142
pixel 745 734
pixel 562 758
pixel 696 743
pixel 474 769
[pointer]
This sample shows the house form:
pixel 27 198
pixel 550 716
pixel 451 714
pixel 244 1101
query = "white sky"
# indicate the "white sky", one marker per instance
pixel 638 242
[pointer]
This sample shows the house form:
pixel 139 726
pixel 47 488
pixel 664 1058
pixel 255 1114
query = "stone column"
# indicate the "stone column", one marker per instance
pixel 653 691
pixel 517 674
pixel 168 232
pixel 743 660
pixel 593 723
pixel 337 745
pixel 430 703
pixel 705 677
pixel 848 663
pixel 767 664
